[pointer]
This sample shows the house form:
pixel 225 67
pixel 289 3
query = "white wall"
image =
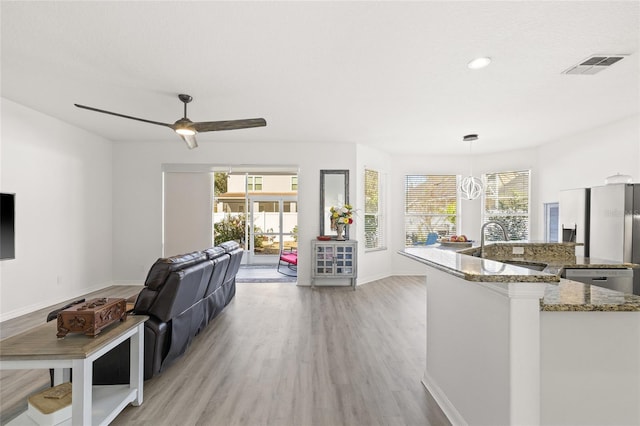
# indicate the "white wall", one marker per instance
pixel 601 388
pixel 137 185
pixel 1 262
pixel 63 183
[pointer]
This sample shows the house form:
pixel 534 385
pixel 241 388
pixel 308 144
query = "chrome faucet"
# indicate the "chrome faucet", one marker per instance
pixel 491 222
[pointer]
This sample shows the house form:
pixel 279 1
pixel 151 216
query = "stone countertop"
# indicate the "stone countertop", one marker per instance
pixel 560 294
pixel 476 269
pixel 552 257
pixel 556 267
pixel 574 296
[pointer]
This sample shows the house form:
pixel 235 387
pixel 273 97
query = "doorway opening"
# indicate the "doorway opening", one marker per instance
pixel 259 210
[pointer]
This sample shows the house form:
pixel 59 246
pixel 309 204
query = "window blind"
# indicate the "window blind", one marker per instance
pixel 431 205
pixel 506 199
pixel 374 210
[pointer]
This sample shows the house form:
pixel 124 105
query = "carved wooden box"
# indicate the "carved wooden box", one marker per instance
pixel 92 316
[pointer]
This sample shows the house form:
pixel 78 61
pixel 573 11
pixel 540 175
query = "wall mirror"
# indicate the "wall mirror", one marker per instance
pixel 334 192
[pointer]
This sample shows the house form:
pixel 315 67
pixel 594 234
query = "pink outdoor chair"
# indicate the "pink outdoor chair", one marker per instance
pixel 289 258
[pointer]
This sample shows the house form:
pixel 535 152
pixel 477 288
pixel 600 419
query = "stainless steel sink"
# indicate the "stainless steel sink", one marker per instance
pixel 528 265
pixel 523 264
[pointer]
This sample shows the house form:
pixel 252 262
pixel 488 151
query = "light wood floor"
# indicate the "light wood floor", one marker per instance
pixel 286 355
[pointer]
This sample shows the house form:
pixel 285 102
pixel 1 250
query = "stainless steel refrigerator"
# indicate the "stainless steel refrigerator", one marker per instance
pixel 615 225
pixel 573 218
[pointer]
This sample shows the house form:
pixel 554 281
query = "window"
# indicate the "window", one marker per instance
pixel 373 210
pixel 506 199
pixel 430 205
pixel 254 183
pixel 294 183
pixel 551 219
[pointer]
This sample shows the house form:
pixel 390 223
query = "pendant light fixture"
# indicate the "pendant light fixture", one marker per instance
pixel 470 187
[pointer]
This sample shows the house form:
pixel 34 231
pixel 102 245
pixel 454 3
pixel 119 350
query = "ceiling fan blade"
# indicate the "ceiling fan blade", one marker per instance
pixel 211 126
pixel 123 116
pixel 190 140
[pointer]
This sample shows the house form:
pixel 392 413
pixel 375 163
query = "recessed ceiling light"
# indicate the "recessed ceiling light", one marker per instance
pixel 478 63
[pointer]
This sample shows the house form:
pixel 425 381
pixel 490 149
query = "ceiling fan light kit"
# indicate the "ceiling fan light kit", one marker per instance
pixel 185 131
pixel 186 128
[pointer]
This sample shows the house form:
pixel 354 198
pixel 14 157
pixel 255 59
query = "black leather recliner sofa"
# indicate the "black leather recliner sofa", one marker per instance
pixel 181 295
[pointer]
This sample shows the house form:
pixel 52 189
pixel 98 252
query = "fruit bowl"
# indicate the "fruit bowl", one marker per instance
pixel 456 241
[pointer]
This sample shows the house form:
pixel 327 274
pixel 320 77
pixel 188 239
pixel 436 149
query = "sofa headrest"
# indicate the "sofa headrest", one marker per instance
pixel 214 252
pixel 229 246
pixel 161 269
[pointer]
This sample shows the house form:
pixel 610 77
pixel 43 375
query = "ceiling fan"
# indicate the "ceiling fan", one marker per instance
pixel 186 128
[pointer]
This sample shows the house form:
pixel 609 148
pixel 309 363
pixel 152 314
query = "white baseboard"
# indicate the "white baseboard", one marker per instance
pixel 128 282
pixel 359 281
pixel 372 278
pixel 440 397
pixel 59 299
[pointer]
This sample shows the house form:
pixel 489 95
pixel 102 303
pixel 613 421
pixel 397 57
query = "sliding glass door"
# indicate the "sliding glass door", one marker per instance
pixel 272 227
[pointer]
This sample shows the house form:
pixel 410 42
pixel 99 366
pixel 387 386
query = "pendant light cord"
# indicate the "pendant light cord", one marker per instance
pixel 470 160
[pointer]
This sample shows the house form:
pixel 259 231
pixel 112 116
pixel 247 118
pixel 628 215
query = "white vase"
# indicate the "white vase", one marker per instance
pixel 340 231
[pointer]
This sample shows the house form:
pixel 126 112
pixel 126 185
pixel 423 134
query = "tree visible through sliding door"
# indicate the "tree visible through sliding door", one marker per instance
pixel 259 210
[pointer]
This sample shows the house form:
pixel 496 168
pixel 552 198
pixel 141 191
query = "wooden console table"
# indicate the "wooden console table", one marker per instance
pixel 91 405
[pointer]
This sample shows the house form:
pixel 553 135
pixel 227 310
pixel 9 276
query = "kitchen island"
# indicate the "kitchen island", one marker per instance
pixel 510 345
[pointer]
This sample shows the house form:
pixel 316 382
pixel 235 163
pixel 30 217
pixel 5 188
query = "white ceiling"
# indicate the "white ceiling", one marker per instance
pixel 391 75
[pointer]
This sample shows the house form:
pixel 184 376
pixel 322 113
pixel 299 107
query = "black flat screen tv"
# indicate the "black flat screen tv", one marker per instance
pixel 7 226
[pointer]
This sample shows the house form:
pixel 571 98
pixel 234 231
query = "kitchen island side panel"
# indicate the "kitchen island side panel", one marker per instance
pixel 590 368
pixel 468 349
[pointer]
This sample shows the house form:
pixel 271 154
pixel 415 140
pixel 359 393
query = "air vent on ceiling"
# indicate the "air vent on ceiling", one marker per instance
pixel 594 64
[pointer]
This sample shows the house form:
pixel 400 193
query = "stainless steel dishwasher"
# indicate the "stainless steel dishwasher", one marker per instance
pixel 613 279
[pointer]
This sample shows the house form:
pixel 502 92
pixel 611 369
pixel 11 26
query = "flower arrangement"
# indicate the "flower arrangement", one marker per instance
pixel 341 215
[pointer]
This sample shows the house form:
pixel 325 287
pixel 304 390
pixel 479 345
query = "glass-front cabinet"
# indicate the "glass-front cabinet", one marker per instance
pixel 334 259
